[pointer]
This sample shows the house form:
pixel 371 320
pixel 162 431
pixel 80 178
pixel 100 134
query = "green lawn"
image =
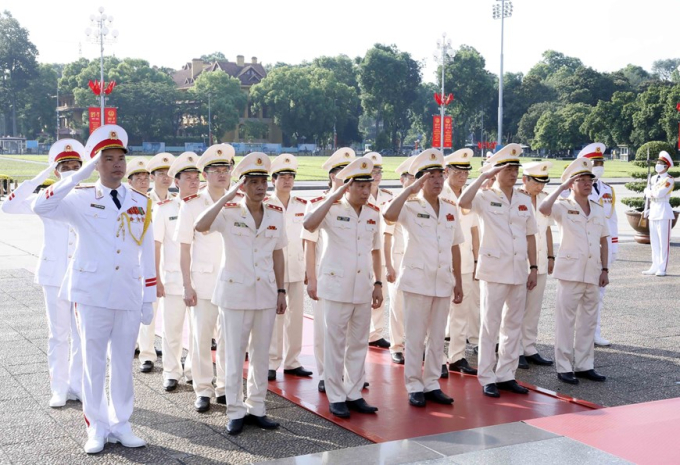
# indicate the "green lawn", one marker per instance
pixel 310 167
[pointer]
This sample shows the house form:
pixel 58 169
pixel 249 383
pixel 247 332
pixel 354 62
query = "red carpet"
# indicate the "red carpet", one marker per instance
pixel 642 433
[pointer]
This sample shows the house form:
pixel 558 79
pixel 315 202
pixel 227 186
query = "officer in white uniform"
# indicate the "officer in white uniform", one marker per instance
pixel 534 179
pixel 508 239
pixel 350 227
pixel 59 241
pixel 250 291
pixel 458 166
pixel 660 215
pixel 159 167
pixel 379 197
pixel 137 175
pixel 200 258
pixel 170 292
pixel 393 251
pixel 580 269
pixel 286 342
pixel 313 248
pixel 604 195
pixel 429 273
pixel 111 280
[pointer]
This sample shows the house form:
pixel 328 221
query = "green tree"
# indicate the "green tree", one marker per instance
pixel 664 69
pixel 611 122
pixel 526 129
pixel 552 62
pixel 423 109
pixel 227 102
pixel 214 56
pixel 636 76
pixel 37 104
pixel 547 131
pixel 571 118
pixel 650 106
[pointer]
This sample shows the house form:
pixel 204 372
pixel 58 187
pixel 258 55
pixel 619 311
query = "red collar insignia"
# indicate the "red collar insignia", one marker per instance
pixel 449 217
pixel 523 208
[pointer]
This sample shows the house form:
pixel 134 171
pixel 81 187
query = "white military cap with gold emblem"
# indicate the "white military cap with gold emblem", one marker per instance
pixel 537 170
pixel 66 149
pixel 109 136
pixel 360 169
pixel 187 161
pixel 216 155
pixel 666 158
pixel 402 170
pixel 460 159
pixel 253 164
pixel 375 157
pixel 427 160
pixel 162 161
pixel 508 155
pixel 579 167
pixel 284 164
pixel 341 157
pixel 594 151
pixel 136 165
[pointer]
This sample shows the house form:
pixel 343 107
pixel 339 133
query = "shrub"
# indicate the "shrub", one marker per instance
pixel 638 203
pixel 654 148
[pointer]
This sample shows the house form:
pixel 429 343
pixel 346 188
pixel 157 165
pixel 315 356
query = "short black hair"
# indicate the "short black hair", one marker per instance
pixel 276 175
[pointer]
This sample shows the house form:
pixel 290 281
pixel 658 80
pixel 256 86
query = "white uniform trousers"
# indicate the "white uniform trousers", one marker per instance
pixel 147 338
pixel 396 310
pixel 502 310
pixel 204 320
pixel 319 331
pixel 175 312
pixel 243 329
pixel 287 334
pixel 424 319
pixel 101 328
pixel 532 312
pixel 474 318
pixel 65 376
pixel 458 318
pixel 378 316
pixel 660 239
pixel 345 348
pixel 575 311
pixel 600 305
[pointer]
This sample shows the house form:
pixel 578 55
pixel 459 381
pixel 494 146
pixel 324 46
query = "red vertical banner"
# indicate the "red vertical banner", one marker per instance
pixel 448 132
pixel 111 115
pixel 94 118
pixel 678 136
pixel 436 131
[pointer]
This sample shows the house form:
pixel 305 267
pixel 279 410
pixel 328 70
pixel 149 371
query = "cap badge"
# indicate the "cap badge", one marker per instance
pixel 346 154
pixel 465 155
pixel 433 156
pixel 165 159
pixel 258 162
pixel 140 163
pixel 363 166
pixel 598 149
pixel 585 163
pixel 219 152
pixel 545 168
pixel 68 148
pixel 191 159
pixel 113 135
pixel 287 160
pixel 514 151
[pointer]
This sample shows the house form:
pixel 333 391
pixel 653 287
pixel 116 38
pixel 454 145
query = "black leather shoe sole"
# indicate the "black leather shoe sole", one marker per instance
pixel 360 406
pixel 339 409
pixel 398 358
pixel 322 386
pixel 299 371
pixel 382 343
pixel 234 427
pixel 271 375
pixel 445 372
pixel 512 386
pixel 462 368
pixel 591 375
pixel 490 390
pixel 417 399
pixel 202 404
pixel 568 378
pixel 222 400
pixel 170 384
pixel 146 367
pixel 438 397
pixel 261 422
pixel 523 364
pixel 536 359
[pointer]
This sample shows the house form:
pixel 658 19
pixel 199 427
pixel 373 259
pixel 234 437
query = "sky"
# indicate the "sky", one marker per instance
pixel 605 34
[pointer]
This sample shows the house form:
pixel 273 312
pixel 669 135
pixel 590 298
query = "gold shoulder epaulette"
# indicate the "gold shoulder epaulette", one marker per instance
pixel 275 208
pixel 412 198
pixel 318 199
pixel 240 194
pixel 386 191
pixel 190 198
pixel 231 205
pixel 140 193
pixel 300 200
pixel 451 202
pixel 84 187
pixel 522 191
pixel 370 205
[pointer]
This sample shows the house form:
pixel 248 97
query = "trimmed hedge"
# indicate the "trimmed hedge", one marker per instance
pixel 639 202
pixel 654 148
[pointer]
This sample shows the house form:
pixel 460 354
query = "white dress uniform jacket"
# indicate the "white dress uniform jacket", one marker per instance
pixel 659 195
pixel 603 194
pixel 295 257
pixel 468 220
pixel 165 216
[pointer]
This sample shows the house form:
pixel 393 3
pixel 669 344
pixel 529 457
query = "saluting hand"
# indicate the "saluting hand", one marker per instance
pixel 340 191
pixel 419 183
pixel 233 190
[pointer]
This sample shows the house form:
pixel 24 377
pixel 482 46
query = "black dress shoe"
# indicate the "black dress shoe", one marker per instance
pixel 382 343
pixel 491 390
pixel 263 422
pixel 512 386
pixel 322 386
pixel 361 406
pixel 445 371
pixel 271 375
pixel 339 409
pixel 417 399
pixel 170 384
pixel 146 366
pixel 222 400
pixel 591 375
pixel 398 358
pixel 462 366
pixel 536 359
pixel 137 351
pixel 523 364
pixel 366 384
pixel 567 378
pixel 299 371
pixel 439 397
pixel 190 381
pixel 202 404
pixel 213 344
pixel 159 352
pixel 234 427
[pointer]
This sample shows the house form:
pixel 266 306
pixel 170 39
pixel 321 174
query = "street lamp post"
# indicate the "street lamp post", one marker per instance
pixel 444 47
pixel 209 122
pixel 502 11
pixel 101 23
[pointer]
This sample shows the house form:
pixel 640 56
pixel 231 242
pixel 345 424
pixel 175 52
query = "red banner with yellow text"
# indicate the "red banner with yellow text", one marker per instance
pixel 437 132
pixel 94 116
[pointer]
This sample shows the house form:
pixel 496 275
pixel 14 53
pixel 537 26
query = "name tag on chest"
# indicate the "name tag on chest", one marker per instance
pixel 240 225
pixel 94 205
pixel 423 215
pixel 172 218
pixel 572 212
pixel 496 204
pixel 343 218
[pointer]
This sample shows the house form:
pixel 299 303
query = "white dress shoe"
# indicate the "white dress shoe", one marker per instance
pixel 95 445
pixel 661 273
pixel 73 396
pixel 127 439
pixel 57 400
pixel 602 342
pixel 649 272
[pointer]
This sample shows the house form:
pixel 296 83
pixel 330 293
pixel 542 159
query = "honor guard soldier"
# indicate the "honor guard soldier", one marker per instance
pixel 159 167
pixel 379 197
pixel 660 214
pixel 111 280
pixel 508 239
pixel 170 292
pixel 59 239
pixel 458 166
pixel 250 292
pixel 429 273
pixel 313 248
pixel 200 258
pixel 393 251
pixel 286 342
pixel 137 175
pixel 535 178
pixel 580 269
pixel 605 196
pixel 350 228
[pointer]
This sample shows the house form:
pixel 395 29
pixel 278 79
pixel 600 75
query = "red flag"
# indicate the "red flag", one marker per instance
pixel 436 131
pixel 110 87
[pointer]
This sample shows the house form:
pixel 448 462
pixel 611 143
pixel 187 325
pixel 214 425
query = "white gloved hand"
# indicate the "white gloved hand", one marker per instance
pixel 147 313
pixel 645 213
pixel 45 173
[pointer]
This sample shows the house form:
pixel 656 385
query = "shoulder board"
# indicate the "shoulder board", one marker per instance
pixel 275 208
pixel 596 203
pixel 190 198
pixel 370 205
pixel 231 205
pixel 318 199
pixel 451 202
pixel 522 191
pixel 412 199
pixel 163 202
pixel 266 199
pixel 609 186
pixel 240 194
pixel 386 191
pixel 300 200
pixel 140 193
pixel 84 187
